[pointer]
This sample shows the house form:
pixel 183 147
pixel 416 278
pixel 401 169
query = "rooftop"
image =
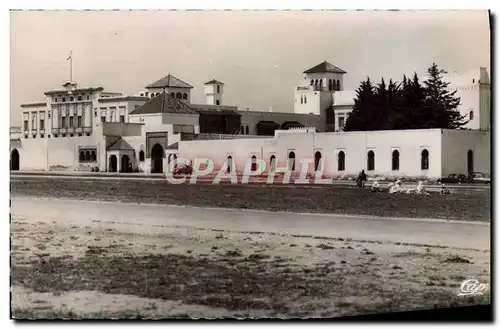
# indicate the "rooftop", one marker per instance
pixel 325 67
pixel 169 81
pixel 164 103
pixel 120 145
pixel 213 81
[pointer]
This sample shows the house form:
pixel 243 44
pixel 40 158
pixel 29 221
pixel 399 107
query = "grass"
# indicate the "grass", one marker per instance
pixel 250 284
pixel 461 205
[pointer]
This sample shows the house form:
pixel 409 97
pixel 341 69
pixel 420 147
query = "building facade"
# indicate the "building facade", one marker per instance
pixel 89 129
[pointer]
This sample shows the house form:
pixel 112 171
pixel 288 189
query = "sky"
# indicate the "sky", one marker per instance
pixel 259 55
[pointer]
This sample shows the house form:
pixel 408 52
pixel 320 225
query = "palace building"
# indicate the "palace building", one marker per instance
pixel 89 129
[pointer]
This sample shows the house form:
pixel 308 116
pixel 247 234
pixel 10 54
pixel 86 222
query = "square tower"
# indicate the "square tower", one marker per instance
pixel 213 92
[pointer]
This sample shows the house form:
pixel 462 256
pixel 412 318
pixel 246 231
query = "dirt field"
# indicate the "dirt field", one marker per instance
pixel 462 204
pixel 63 269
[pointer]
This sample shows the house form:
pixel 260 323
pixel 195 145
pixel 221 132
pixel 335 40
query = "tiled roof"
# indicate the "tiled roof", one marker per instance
pixel 169 81
pixel 211 82
pixel 324 68
pixel 215 109
pixel 164 103
pixel 120 145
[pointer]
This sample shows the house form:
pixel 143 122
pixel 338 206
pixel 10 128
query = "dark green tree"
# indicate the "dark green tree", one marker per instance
pixel 363 111
pixel 440 103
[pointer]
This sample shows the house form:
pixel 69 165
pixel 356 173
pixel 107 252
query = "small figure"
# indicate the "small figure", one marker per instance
pixel 420 188
pixel 396 187
pixel 444 190
pixel 376 187
pixel 360 181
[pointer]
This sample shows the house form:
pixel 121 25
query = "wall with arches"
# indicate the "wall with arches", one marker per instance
pixel 355 146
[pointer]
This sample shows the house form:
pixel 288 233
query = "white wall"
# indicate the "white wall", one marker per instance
pixel 355 145
pixel 456 144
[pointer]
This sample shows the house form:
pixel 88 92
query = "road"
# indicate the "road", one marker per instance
pixel 146 217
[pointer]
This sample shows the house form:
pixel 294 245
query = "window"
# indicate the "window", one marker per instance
pixel 81 157
pixel 55 100
pixel 87 156
pixel 471 115
pixel 42 124
pixel 395 160
pixel 218 89
pixel 79 121
pixel 71 122
pixel 79 98
pixel 93 156
pixel 371 160
pixel 64 99
pixel 254 163
pixel 88 98
pixel 147 94
pixel 242 129
pixel 312 82
pixel 301 99
pixel 122 118
pixel 317 161
pixel 217 102
pixel 25 124
pixel 172 94
pixel 178 96
pixel 305 99
pixel 71 98
pixel 341 123
pixel 424 159
pixel 103 118
pixel 291 161
pixel 184 96
pixel 141 155
pixel 63 122
pixel 272 163
pixel 33 121
pixel 247 130
pixel 341 161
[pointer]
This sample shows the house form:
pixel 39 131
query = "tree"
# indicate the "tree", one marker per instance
pixel 362 113
pixel 441 103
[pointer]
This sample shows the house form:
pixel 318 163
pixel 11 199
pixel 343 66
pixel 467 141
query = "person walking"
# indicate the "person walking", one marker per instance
pixel 360 181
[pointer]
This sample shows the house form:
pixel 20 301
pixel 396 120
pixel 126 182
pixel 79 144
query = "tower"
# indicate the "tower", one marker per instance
pixel 213 92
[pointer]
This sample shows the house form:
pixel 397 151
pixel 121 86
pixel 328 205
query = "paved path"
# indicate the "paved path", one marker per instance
pixel 453 234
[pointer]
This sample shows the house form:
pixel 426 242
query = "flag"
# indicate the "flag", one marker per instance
pixel 69 57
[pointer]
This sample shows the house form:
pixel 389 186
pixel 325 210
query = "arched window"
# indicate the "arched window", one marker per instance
pixel 172 94
pixel 305 99
pixel 141 155
pixel 87 156
pixel 178 96
pixel 272 163
pixel 316 83
pixel 242 130
pixel 82 156
pixel 254 163
pixel 470 162
pixel 321 83
pixel 229 164
pixel 93 156
pixel 184 96
pixel 471 115
pixel 317 161
pixel 301 99
pixel 424 160
pixel 312 82
pixel 338 84
pixel 341 161
pixel 247 130
pixel 330 84
pixel 371 160
pixel 218 89
pixel 291 161
pixel 395 160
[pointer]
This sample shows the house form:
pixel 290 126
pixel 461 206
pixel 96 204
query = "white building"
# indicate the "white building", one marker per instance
pixel 88 129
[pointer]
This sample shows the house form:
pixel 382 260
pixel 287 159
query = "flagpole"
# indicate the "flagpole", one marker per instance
pixel 71 68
